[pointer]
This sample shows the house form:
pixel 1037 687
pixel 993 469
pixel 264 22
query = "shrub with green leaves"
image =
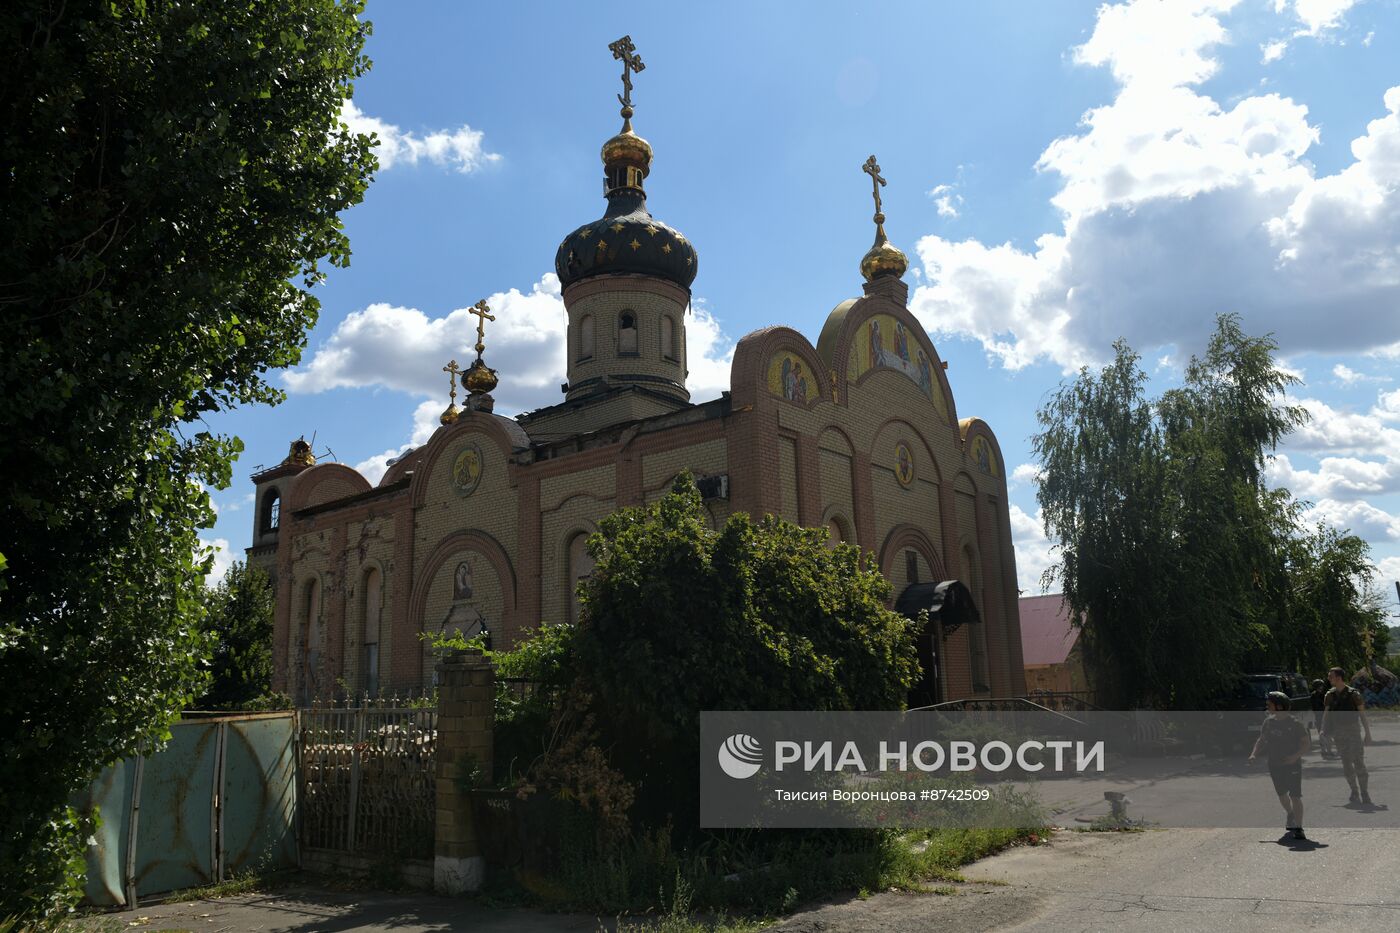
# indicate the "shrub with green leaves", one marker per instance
pixel 761 615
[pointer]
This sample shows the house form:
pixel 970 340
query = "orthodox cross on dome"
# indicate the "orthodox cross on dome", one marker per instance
pixel 483 314
pixel 450 414
pixel 624 51
pixel 872 168
pixel 452 370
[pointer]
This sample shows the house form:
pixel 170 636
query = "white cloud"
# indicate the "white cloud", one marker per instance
pixel 1027 474
pixel 223 558
pixel 1034 551
pixel 461 148
pixel 1273 51
pixel 1348 376
pixel 1319 16
pixel 1388 406
pixel 404 349
pixel 946 200
pixel 1335 477
pixel 1360 518
pixel 1174 209
pixel 1388 572
pixel 1337 432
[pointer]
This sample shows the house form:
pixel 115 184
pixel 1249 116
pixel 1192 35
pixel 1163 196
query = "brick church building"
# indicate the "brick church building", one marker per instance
pixel 483 527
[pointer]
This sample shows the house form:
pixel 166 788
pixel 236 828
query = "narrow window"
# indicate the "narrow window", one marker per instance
pixel 977 633
pixel 580 566
pixel 627 333
pixel 374 607
pixel 668 338
pixel 911 567
pixel 585 338
pixel 272 510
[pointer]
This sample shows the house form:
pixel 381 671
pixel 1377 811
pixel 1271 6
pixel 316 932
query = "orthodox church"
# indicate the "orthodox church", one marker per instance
pixel 483 528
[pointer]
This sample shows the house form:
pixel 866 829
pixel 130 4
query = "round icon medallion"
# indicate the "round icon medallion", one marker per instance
pixel 903 464
pixel 466 470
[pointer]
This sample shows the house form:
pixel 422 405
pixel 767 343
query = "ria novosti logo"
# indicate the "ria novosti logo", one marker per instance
pixel 740 756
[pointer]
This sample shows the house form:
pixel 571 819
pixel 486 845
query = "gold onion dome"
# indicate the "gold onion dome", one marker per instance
pixel 627 148
pixel 479 378
pixel 884 258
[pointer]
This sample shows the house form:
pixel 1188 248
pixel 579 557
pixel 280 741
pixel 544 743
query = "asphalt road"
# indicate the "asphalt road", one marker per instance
pixel 1182 880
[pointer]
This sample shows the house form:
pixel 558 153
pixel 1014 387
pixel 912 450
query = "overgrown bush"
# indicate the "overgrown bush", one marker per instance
pixel 764 615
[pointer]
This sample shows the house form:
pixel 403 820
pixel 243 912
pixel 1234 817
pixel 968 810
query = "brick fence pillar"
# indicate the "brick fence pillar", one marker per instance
pixel 466 704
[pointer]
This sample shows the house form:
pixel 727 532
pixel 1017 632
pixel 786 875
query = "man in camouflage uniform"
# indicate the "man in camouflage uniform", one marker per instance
pixel 1343 720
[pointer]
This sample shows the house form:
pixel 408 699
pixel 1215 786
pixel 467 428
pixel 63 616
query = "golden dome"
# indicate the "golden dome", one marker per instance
pixel 883 259
pixel 450 413
pixel 629 148
pixel 480 378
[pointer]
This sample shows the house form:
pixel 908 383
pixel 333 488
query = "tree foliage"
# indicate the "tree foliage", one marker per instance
pixel 1182 564
pixel 763 615
pixel 238 621
pixel 171 175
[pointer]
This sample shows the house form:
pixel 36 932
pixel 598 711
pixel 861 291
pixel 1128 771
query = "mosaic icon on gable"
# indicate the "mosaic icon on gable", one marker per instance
pixel 885 343
pixel 982 456
pixel 789 379
pixel 466 470
pixel 462 581
pixel 903 464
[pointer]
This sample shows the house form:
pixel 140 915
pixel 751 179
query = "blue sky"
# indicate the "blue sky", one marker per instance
pixel 1060 175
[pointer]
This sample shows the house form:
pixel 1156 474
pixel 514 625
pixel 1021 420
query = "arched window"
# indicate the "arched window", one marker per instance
pixel 668 338
pixel 580 565
pixel 272 510
pixel 373 609
pixel 627 333
pixel 833 533
pixel 911 566
pixel 585 337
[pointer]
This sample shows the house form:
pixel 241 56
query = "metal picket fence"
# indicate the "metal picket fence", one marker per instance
pixel 368 779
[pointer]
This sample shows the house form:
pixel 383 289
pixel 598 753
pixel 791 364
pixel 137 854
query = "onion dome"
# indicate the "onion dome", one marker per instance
pixel 626 239
pixel 884 258
pixel 479 378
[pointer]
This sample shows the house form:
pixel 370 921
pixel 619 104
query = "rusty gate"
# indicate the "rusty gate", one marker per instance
pixel 218 799
pixel 367 780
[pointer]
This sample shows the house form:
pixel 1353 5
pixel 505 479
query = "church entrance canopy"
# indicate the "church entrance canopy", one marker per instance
pixel 949 603
pixel 949 606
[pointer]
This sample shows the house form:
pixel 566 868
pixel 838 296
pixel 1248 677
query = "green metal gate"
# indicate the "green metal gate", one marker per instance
pixel 219 798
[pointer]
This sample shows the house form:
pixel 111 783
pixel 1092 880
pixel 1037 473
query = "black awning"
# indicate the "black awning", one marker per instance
pixel 950 602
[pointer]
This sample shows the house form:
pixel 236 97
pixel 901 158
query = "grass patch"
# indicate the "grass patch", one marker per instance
pixel 247 882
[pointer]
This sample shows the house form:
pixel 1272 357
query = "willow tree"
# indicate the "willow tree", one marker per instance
pixel 1173 550
pixel 171 179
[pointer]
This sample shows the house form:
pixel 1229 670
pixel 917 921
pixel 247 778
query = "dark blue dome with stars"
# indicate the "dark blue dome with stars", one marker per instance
pixel 627 239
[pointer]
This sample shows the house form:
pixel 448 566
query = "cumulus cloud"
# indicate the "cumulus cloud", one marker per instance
pixel 1027 474
pixel 1174 209
pixel 1335 477
pixel 405 349
pixel 1388 570
pixel 1335 431
pixel 1316 19
pixel 426 420
pixel 1034 551
pixel 1349 377
pixel 1358 517
pixel 461 149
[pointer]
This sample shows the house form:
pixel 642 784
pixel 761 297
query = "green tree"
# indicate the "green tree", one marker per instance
pixel 238 620
pixel 763 615
pixel 171 179
pixel 1333 602
pixel 1173 551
